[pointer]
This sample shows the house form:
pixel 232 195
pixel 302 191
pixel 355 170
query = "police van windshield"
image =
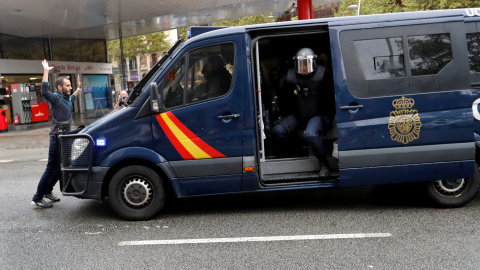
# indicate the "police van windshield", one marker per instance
pixel 140 87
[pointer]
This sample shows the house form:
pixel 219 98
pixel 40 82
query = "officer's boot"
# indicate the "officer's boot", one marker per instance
pixel 324 170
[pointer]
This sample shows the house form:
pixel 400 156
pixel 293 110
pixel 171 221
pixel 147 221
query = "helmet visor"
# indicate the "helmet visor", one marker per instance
pixel 305 66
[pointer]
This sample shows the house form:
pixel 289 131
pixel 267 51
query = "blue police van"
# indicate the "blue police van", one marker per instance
pixel 403 88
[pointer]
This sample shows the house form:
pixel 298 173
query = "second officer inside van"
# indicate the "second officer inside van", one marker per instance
pixel 306 89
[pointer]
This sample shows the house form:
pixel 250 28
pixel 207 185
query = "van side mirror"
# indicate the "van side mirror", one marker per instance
pixel 154 97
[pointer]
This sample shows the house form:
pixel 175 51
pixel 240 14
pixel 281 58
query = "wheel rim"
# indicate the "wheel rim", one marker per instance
pixel 451 188
pixel 137 192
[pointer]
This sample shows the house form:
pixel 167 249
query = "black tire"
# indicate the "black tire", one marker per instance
pixel 453 193
pixel 136 193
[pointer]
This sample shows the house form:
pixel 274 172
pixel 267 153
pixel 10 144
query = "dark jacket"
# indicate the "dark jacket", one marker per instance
pixel 307 96
pixel 61 106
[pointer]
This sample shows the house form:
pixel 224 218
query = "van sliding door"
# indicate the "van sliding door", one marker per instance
pixel 403 101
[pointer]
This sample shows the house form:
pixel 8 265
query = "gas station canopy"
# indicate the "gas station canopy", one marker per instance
pixel 103 19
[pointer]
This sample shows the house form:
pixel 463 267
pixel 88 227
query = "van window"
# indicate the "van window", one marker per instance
pixel 210 72
pixel 381 58
pixel 473 43
pixel 429 53
pixel 403 60
pixel 209 75
pixel 173 85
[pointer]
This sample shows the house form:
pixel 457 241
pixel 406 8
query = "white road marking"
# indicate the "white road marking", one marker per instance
pixel 6 160
pixel 43 159
pixel 253 239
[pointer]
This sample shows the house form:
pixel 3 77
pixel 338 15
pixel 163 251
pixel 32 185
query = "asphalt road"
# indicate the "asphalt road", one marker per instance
pixel 86 234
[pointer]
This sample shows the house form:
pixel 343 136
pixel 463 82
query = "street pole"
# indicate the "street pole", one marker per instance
pixel 305 9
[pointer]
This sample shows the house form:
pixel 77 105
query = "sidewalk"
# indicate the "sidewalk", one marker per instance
pixel 77 119
pixel 35 135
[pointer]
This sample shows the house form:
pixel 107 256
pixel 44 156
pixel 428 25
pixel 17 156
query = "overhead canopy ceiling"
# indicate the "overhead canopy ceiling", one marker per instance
pixel 102 19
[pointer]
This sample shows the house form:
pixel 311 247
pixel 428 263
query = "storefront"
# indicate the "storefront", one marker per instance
pixel 21 80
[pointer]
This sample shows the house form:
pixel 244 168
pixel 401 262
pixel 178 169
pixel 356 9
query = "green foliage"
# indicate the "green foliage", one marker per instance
pixel 390 6
pixel 413 5
pixel 246 20
pixel 368 7
pixel 182 33
pixel 138 45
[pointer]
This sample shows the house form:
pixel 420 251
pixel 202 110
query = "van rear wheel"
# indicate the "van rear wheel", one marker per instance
pixel 455 192
pixel 136 193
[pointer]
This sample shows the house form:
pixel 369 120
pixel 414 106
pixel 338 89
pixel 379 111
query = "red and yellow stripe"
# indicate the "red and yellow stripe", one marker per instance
pixel 188 145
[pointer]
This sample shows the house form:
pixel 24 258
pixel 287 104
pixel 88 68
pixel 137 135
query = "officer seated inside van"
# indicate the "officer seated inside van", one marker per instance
pixel 309 107
pixel 217 77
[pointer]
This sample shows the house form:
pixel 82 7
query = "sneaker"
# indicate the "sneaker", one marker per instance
pixel 41 204
pixel 52 197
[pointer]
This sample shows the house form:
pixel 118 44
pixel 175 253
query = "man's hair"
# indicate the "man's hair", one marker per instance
pixel 59 81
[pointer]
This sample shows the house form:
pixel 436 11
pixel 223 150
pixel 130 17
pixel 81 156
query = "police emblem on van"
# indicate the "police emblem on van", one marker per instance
pixel 404 123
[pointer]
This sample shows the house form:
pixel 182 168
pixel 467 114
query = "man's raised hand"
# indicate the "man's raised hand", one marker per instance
pixel 45 65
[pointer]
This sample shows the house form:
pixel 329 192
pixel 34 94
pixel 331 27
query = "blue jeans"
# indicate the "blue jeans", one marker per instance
pixel 315 127
pixel 52 172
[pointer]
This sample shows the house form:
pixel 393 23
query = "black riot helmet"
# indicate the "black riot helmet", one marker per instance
pixel 305 61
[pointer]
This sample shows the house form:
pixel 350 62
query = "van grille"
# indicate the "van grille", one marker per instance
pixel 76 153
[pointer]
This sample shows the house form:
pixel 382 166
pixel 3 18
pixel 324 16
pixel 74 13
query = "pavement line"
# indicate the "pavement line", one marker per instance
pixel 253 239
pixel 6 160
pixel 44 159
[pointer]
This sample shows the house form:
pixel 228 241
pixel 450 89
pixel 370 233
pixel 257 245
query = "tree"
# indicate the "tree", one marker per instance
pixel 183 33
pixel 414 5
pixel 390 6
pixel 369 7
pixel 138 46
pixel 246 20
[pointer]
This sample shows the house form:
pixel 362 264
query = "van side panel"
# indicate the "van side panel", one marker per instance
pixel 392 94
pixel 407 173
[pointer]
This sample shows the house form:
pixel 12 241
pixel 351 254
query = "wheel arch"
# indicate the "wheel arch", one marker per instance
pixel 135 156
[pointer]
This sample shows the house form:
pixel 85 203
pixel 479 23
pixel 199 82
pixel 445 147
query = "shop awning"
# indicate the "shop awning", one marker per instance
pixel 102 19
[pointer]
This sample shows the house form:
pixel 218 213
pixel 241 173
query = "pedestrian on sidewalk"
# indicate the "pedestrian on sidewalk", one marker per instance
pixel 122 100
pixel 61 104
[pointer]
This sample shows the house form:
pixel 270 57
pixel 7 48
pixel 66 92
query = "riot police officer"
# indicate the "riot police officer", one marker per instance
pixel 308 108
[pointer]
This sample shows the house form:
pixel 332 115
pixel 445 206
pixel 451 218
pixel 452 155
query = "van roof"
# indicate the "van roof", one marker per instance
pixel 363 19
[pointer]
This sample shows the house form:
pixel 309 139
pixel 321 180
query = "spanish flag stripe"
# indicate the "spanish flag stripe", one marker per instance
pixel 191 147
pixel 181 150
pixel 199 142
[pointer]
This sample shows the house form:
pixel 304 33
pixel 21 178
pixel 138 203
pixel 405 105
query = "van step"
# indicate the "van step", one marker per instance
pixel 298 177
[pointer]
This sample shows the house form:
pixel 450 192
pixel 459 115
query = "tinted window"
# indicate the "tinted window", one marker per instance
pixel 173 84
pixel 429 54
pixel 401 60
pixel 381 58
pixel 12 47
pixel 79 50
pixel 210 72
pixel 473 43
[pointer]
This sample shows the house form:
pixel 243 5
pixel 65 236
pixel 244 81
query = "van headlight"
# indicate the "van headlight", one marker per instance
pixel 78 147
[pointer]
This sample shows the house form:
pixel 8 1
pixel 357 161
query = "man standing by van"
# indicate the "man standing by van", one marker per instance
pixel 310 109
pixel 61 104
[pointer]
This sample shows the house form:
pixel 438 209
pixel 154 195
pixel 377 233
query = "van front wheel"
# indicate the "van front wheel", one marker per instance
pixel 455 192
pixel 136 193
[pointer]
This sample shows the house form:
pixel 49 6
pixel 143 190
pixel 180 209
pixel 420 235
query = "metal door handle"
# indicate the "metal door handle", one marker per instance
pixel 228 116
pixel 354 107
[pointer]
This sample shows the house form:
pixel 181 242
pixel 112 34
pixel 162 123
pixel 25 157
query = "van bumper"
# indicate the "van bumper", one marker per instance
pixel 93 187
pixel 78 177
